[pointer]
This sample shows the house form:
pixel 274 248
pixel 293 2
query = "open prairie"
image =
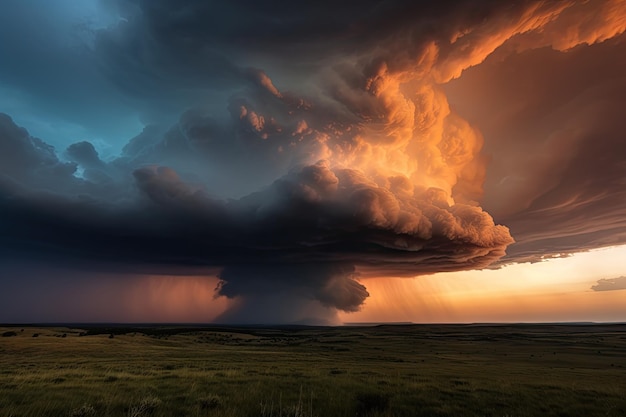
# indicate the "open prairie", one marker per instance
pixel 388 370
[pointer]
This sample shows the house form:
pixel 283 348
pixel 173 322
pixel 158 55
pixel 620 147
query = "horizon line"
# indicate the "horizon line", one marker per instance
pixel 345 324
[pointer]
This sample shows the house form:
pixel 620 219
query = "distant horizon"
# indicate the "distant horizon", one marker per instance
pixel 348 324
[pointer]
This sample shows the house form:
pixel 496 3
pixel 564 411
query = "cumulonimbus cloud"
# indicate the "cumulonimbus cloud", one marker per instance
pixel 365 169
pixel 307 230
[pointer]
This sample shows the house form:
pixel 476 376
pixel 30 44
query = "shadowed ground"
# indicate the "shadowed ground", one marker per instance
pixel 400 370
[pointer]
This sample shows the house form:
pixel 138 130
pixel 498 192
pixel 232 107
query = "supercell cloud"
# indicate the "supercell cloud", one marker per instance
pixel 291 151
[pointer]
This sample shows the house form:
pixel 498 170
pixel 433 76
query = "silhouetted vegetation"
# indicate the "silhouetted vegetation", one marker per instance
pixel 83 411
pixel 209 402
pixel 369 403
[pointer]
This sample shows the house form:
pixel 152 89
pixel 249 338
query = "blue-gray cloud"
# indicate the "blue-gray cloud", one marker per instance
pixel 50 78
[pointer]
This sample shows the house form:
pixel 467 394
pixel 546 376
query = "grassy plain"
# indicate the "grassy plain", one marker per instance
pixel 403 370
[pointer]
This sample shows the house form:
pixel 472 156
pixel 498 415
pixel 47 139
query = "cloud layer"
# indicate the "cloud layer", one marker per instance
pixel 292 155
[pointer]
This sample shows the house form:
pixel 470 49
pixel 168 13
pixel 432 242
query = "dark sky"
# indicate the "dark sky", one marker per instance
pixel 293 149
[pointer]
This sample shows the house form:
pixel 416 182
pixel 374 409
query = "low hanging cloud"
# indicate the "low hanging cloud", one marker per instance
pixel 610 284
pixel 298 165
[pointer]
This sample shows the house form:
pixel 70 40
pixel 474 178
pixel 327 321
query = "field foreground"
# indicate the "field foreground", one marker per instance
pixel 400 370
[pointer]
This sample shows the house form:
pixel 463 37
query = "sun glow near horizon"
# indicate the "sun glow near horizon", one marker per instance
pixel 555 290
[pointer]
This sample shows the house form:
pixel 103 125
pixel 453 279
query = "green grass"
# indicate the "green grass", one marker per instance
pixel 525 370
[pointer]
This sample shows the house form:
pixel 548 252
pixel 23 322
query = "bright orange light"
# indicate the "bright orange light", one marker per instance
pixel 181 299
pixel 553 290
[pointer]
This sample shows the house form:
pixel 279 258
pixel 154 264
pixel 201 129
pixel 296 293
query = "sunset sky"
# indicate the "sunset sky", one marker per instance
pixel 315 162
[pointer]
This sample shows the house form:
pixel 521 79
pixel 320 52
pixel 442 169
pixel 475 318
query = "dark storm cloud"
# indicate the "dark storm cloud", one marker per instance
pixel 173 54
pixel 610 284
pixel 306 231
pixel 398 34
pixel 85 154
pixel 333 285
pixel 296 147
pixel 28 160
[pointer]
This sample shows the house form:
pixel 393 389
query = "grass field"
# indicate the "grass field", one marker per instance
pixel 408 370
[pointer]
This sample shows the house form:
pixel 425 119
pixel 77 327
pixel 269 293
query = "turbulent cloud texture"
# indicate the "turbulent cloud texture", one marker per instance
pixel 305 231
pixel 318 143
pixel 557 178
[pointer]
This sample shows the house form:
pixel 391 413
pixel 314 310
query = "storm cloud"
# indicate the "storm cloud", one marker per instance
pixel 292 155
pixel 306 231
pixel 556 179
